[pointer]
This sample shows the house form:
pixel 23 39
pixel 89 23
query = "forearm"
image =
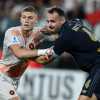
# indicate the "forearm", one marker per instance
pixel 27 53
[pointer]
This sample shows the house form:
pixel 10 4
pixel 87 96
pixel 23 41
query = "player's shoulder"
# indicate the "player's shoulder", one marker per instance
pixel 73 24
pixel 14 30
pixel 74 21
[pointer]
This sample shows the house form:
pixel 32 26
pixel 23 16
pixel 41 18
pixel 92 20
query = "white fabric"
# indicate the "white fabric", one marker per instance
pixel 10 39
pixel 12 36
pixel 6 86
pixel 42 52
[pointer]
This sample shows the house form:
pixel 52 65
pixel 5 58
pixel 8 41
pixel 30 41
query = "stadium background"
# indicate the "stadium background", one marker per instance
pixel 62 82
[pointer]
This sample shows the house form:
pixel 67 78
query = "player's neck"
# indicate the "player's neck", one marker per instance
pixel 26 33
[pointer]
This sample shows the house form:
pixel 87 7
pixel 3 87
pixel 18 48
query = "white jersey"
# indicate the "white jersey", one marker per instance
pixel 12 36
pixel 9 59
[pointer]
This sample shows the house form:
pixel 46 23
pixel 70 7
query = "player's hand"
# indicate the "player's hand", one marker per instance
pixel 36 38
pixel 49 52
pixel 43 59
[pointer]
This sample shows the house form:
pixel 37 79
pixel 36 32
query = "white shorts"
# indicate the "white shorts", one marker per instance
pixel 7 87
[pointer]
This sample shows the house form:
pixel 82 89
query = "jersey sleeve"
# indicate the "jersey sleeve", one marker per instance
pixel 11 38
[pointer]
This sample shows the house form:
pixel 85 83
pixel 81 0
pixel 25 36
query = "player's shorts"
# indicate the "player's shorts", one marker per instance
pixel 92 84
pixel 7 87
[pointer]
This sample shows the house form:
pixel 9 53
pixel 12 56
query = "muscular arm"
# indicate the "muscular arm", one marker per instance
pixel 12 41
pixel 26 53
pixel 23 52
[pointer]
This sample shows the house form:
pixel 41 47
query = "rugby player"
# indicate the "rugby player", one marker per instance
pixel 75 39
pixel 16 52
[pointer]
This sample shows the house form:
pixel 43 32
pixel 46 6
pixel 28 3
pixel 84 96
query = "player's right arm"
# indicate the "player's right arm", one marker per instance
pixel 21 52
pixel 14 42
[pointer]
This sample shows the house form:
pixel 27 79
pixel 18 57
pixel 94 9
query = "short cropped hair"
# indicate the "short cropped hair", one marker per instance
pixel 29 9
pixel 58 10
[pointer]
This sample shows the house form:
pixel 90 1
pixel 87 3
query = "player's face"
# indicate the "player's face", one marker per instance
pixel 54 22
pixel 28 20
